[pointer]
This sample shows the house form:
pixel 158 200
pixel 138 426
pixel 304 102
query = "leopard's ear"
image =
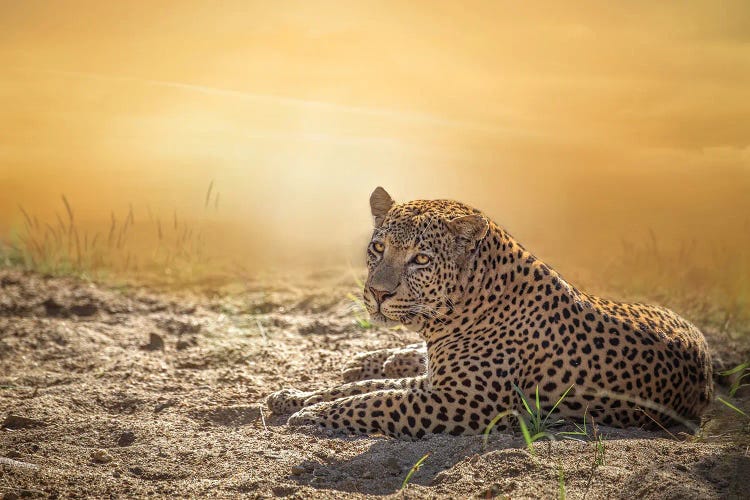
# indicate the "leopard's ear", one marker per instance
pixel 380 203
pixel 469 229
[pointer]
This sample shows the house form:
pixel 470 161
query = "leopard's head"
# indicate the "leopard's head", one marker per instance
pixel 419 258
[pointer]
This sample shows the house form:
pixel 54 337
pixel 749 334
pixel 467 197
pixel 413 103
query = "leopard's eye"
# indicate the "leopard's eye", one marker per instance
pixel 378 246
pixel 421 259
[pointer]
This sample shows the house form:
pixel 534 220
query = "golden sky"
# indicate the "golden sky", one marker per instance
pixel 599 121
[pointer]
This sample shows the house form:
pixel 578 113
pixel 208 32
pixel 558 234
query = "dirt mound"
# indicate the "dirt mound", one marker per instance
pixel 128 392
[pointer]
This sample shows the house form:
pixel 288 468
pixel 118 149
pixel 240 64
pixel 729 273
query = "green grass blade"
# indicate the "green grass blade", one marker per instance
pixel 730 405
pixel 736 387
pixel 413 469
pixel 737 384
pixel 570 438
pixel 544 434
pixel 493 423
pixel 580 430
pixel 362 322
pixel 564 395
pixel 360 283
pixel 736 369
pixel 601 450
pixel 526 435
pixel 561 483
pixel 523 399
pixel 356 300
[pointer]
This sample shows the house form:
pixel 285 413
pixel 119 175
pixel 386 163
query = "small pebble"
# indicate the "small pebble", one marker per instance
pixel 101 456
pixel 18 422
pixel 155 343
pixel 126 438
pixel 306 466
pixel 297 470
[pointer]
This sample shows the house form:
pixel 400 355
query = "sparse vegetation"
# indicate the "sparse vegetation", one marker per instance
pixel 711 281
pixel 128 246
pixel 601 449
pixel 535 425
pixel 361 317
pixel 581 430
pixel 740 373
pixel 139 243
pixel 360 312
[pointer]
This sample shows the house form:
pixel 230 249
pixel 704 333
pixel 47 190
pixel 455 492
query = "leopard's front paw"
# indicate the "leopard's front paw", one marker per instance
pixel 365 366
pixel 287 400
pixel 311 415
pixel 352 373
pixel 405 363
pixel 315 399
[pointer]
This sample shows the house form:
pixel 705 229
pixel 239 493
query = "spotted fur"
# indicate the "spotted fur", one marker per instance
pixel 409 361
pixel 493 315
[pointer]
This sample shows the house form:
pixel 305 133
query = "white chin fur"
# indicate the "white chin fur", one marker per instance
pixel 380 319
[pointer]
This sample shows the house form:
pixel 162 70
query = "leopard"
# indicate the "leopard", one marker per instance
pixel 499 327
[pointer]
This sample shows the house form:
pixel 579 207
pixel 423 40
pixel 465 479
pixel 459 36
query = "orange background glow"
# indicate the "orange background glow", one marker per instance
pixel 569 126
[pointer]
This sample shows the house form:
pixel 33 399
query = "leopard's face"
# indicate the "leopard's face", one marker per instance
pixel 416 260
pixel 409 263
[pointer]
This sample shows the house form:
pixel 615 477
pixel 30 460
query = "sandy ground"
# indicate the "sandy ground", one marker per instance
pixel 126 392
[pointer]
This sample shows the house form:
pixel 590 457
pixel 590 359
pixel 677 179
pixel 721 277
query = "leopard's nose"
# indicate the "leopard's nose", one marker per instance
pixel 381 295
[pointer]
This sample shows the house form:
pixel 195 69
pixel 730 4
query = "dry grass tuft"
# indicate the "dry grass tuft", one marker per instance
pixel 702 280
pixel 146 250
